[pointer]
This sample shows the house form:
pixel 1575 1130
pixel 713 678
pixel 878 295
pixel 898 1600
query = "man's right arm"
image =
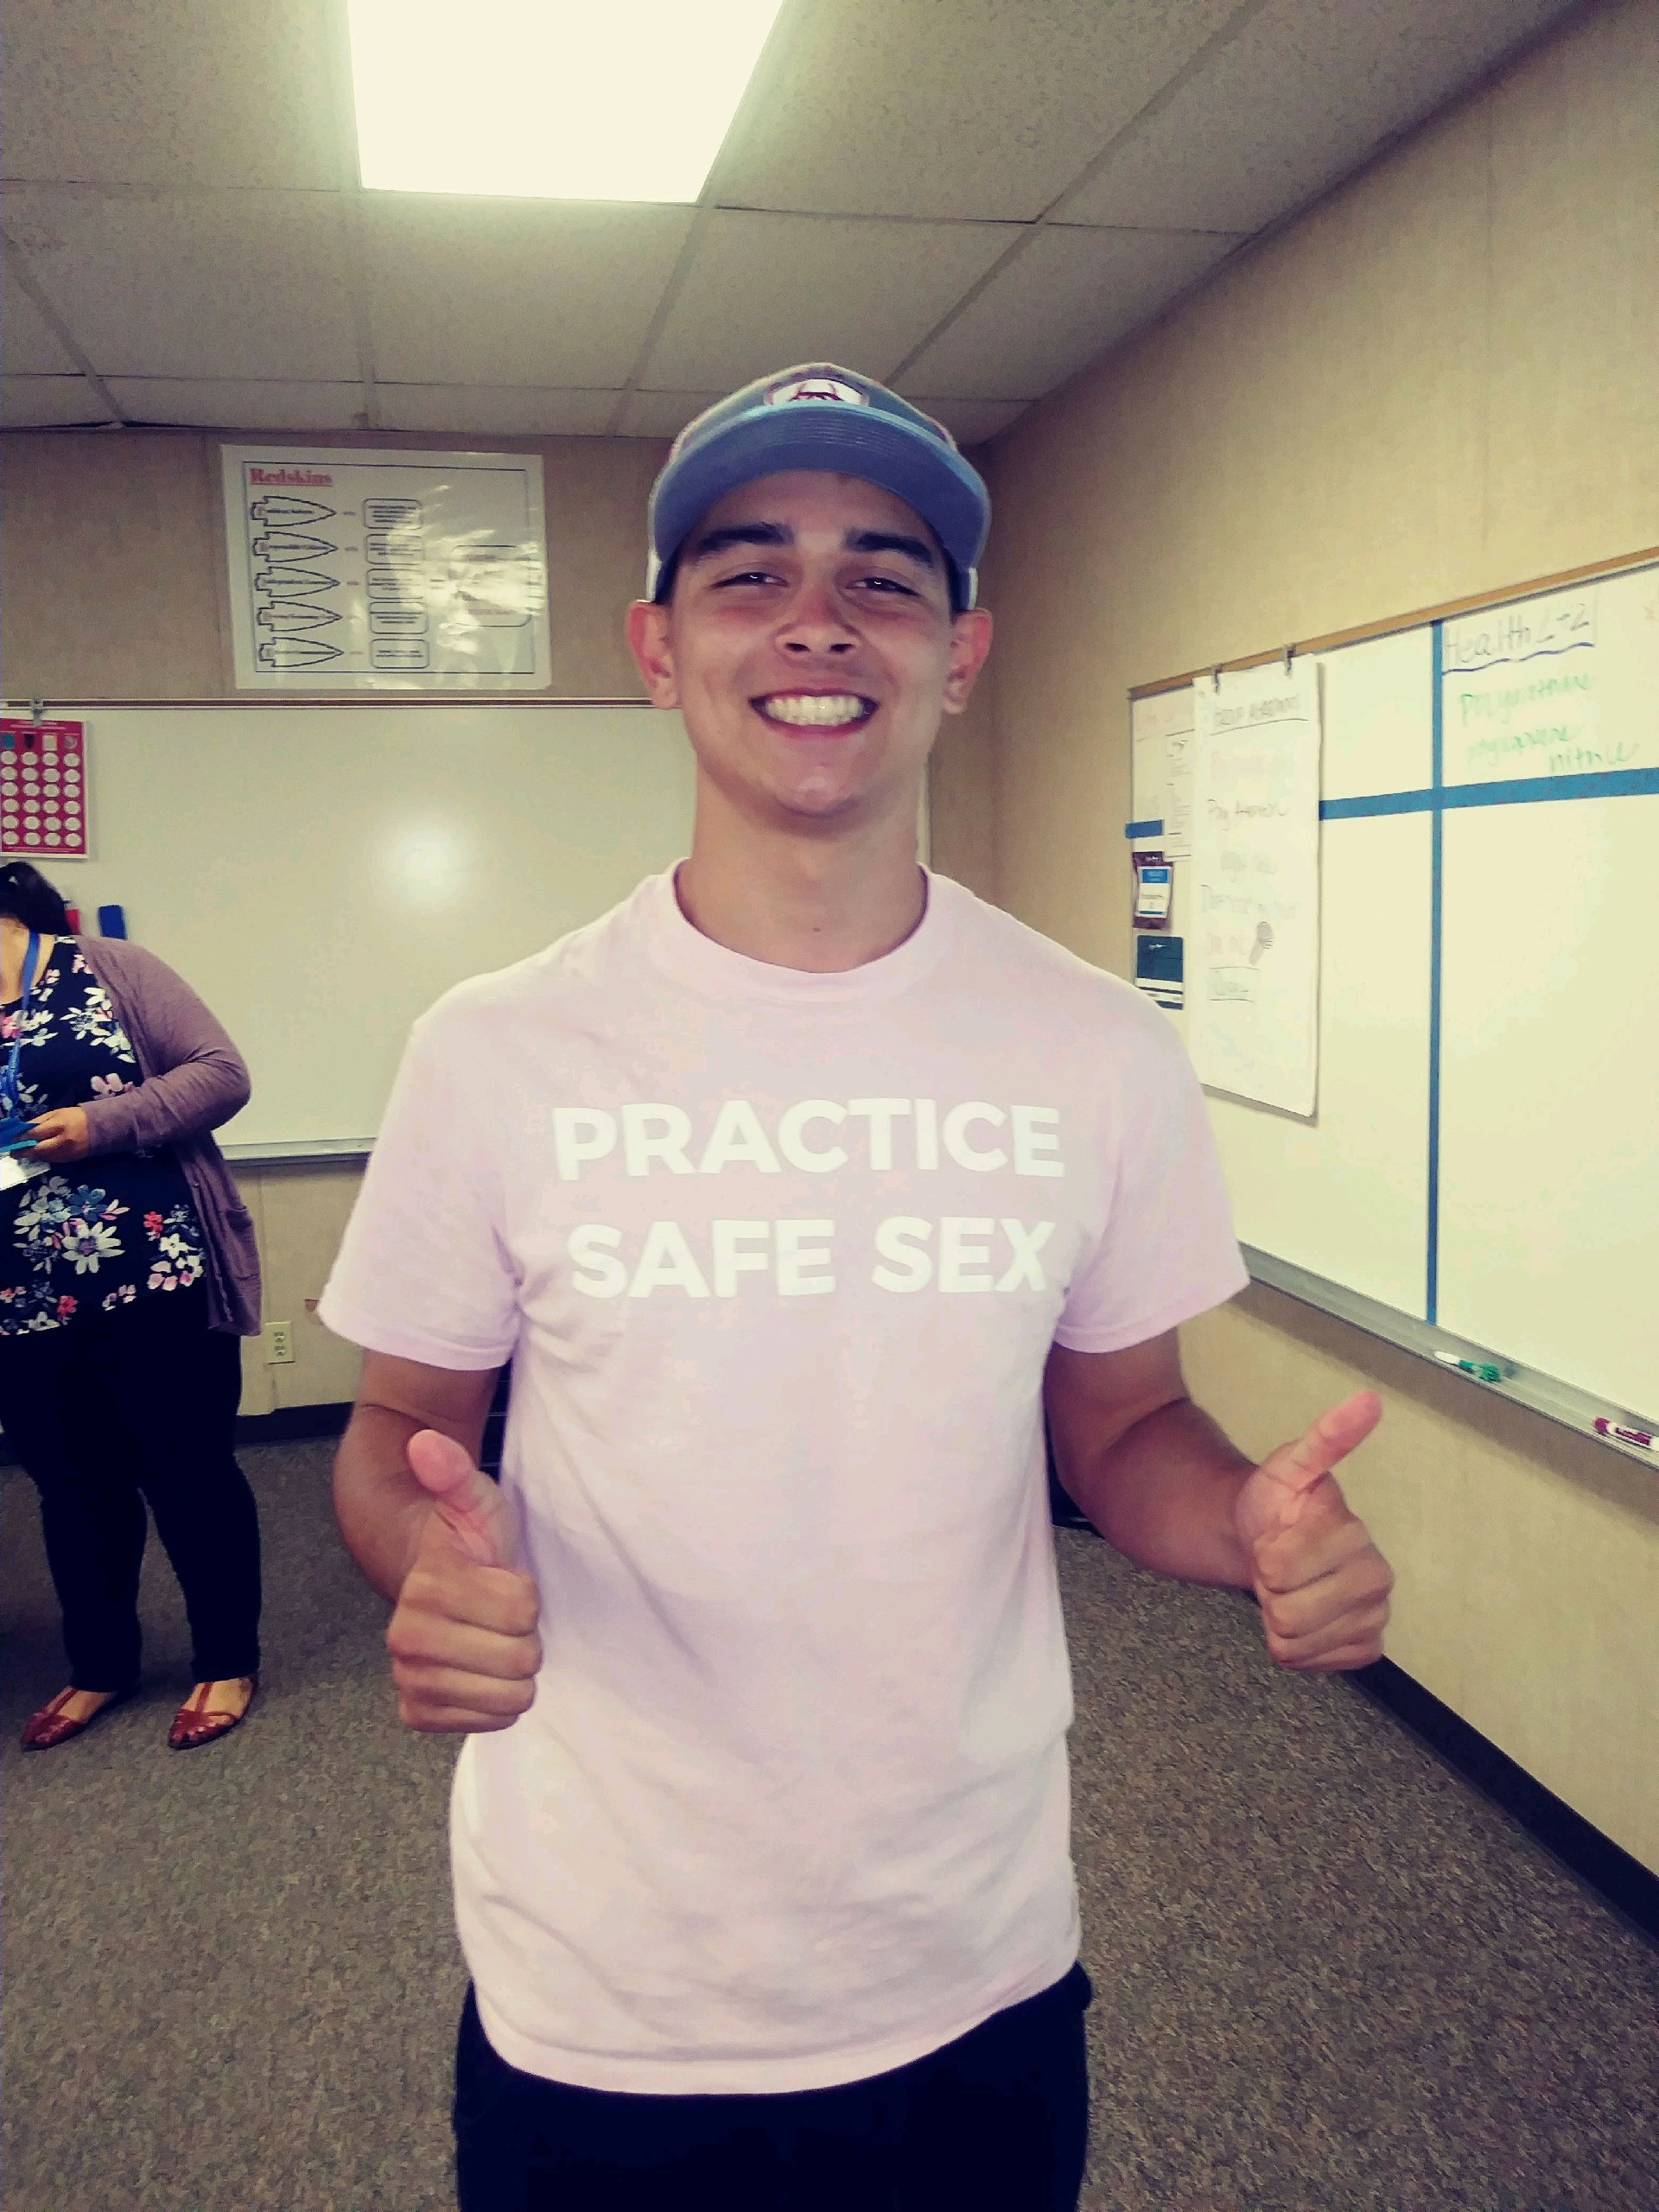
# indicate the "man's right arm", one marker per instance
pixel 381 1507
pixel 442 1547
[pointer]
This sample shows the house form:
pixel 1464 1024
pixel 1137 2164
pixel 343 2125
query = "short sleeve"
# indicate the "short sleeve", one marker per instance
pixel 423 1272
pixel 1168 1252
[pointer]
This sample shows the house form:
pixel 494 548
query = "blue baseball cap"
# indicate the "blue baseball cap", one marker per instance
pixel 818 415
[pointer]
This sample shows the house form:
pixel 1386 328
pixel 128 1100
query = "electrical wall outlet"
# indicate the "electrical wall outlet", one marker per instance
pixel 279 1342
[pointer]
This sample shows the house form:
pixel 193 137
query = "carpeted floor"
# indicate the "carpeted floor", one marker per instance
pixel 1330 1977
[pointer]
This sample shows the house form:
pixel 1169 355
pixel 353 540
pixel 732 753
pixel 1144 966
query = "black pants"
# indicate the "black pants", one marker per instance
pixel 139 1403
pixel 996 2122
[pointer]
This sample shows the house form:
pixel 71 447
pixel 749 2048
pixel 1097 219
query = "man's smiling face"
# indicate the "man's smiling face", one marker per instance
pixel 811 647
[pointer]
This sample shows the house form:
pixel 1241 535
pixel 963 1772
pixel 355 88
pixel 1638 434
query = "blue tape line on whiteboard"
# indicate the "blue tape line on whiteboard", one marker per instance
pixel 1518 790
pixel 1351 809
pixel 1437 840
pixel 1600 783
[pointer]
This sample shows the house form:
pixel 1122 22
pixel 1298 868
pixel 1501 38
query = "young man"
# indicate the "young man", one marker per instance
pixel 791 1189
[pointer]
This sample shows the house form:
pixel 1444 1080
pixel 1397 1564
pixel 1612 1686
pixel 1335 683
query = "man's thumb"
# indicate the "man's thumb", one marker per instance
pixel 468 1504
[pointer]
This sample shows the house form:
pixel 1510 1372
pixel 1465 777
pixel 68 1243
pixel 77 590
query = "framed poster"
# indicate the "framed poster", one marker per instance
pixel 374 569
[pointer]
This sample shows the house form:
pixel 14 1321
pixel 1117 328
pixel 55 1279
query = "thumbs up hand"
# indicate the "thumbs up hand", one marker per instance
pixel 468 1504
pixel 1322 1584
pixel 465 1650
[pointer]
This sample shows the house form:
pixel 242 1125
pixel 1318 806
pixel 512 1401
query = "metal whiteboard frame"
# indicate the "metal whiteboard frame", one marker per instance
pixel 1563 1402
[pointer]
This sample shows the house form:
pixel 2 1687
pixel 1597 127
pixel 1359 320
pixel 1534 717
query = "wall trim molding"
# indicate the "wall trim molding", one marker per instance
pixel 1621 1881
pixel 291 1424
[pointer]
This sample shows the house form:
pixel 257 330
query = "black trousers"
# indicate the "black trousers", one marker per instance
pixel 996 2122
pixel 125 1406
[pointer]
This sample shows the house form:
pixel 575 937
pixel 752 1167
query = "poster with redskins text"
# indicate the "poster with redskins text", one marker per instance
pixel 370 569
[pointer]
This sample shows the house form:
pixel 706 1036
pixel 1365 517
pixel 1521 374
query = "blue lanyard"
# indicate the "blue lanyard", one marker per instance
pixel 10 1103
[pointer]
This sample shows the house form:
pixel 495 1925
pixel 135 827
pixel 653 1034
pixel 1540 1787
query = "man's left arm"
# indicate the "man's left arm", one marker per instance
pixel 1162 1483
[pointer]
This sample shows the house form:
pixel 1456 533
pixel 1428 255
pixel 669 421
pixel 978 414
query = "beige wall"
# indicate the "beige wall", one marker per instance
pixel 300 1214
pixel 1440 380
pixel 112 549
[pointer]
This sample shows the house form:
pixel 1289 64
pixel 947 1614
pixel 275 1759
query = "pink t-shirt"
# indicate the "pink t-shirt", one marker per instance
pixel 777 1259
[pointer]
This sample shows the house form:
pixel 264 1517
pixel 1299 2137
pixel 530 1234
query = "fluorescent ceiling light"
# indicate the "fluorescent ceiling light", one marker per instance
pixel 550 100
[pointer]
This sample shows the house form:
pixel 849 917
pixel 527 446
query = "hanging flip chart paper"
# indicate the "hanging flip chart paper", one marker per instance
pixel 1253 954
pixel 1162 731
pixel 356 569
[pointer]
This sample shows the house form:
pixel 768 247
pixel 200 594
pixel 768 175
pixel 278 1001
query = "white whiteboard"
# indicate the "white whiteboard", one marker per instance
pixel 1485 1160
pixel 320 875
pixel 1549 1089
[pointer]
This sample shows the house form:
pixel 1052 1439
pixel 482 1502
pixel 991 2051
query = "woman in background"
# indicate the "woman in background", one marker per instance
pixel 126 1286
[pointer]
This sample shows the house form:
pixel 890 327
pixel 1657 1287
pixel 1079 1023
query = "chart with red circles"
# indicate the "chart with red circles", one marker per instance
pixel 43 790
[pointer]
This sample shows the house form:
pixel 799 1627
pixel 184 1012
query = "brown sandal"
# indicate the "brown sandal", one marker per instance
pixel 194 1725
pixel 51 1726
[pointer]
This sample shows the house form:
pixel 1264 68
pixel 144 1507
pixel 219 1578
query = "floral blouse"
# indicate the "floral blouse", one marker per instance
pixel 87 1235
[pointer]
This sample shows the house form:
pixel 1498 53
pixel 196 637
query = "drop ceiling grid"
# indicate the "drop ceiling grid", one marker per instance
pixel 223 284
pixel 48 402
pixel 978 110
pixel 169 93
pixel 237 402
pixel 32 347
pixel 1072 293
pixel 766 290
pixel 528 292
pixel 1241 144
pixel 178 201
pixel 485 410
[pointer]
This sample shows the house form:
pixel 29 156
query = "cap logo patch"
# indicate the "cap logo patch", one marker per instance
pixel 816 388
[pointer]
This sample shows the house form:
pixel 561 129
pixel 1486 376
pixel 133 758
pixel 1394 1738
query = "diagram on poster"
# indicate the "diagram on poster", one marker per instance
pixel 358 569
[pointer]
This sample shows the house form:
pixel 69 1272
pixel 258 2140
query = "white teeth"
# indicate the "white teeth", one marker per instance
pixel 827 712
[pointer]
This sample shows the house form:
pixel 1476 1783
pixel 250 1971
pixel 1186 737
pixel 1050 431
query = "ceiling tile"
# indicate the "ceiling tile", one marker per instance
pixel 161 284
pixel 170 91
pixel 224 403
pixel 1322 82
pixel 664 414
pixel 983 109
pixel 535 293
pixel 766 291
pixel 493 410
pixel 27 344
pixel 1068 297
pixel 34 403
pixel 970 422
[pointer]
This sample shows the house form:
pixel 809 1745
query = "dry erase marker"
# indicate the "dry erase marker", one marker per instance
pixel 1639 1437
pixel 1482 1370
